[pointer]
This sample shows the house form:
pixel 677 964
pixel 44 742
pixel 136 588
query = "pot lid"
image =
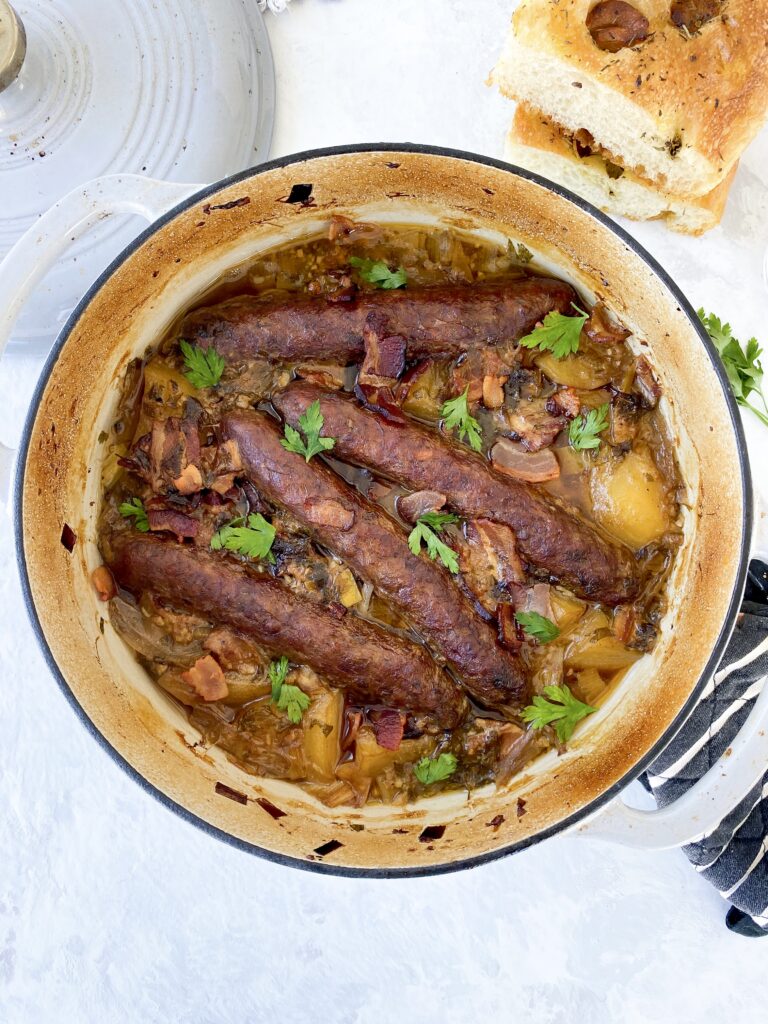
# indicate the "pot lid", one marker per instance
pixel 181 90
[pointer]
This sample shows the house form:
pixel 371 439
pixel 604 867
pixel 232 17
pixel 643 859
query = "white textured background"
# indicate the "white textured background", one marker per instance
pixel 113 909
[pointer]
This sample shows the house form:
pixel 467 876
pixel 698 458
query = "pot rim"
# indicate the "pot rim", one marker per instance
pixel 726 629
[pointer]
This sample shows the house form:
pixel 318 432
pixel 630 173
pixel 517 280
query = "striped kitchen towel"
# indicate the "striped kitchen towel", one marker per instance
pixel 734 856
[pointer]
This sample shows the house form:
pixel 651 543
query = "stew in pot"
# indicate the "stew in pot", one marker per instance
pixel 389 511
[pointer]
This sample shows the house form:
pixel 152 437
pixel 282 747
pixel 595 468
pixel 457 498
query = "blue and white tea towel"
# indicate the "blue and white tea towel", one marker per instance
pixel 732 857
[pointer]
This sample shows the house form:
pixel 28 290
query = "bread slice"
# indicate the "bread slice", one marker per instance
pixel 536 143
pixel 678 108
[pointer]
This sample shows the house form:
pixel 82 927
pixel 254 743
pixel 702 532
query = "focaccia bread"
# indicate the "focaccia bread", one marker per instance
pixel 536 143
pixel 672 90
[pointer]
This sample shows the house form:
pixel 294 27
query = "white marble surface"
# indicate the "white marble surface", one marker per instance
pixel 113 909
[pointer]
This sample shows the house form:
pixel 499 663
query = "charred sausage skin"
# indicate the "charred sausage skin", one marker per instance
pixel 444 320
pixel 549 536
pixel 373 665
pixel 373 544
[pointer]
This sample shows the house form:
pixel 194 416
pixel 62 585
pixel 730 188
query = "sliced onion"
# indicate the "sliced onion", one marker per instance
pixel 147 638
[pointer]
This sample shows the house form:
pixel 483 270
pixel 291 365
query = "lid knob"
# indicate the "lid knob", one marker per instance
pixel 13 44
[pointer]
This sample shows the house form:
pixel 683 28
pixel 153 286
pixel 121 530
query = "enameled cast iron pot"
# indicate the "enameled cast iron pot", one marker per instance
pixel 179 256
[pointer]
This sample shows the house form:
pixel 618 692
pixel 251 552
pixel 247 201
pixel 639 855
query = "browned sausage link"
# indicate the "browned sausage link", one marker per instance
pixel 375 546
pixel 443 320
pixel 375 666
pixel 549 537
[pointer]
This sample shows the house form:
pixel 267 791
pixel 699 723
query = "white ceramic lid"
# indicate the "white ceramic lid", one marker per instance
pixel 181 90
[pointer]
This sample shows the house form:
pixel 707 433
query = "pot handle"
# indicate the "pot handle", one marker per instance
pixel 709 800
pixel 42 244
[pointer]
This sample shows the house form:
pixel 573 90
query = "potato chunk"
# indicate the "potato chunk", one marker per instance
pixel 629 499
pixel 578 371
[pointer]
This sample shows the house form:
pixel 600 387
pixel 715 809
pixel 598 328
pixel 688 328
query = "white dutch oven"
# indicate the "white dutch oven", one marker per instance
pixel 210 230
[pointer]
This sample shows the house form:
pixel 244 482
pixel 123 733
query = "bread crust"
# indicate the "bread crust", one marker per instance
pixel 691 103
pixel 537 143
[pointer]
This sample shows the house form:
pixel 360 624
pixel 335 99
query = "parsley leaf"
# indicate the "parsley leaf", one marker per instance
pixel 377 272
pixel 311 423
pixel 424 530
pixel 253 540
pixel 537 627
pixel 558 706
pixel 293 701
pixel 435 769
pixel 288 698
pixel 277 672
pixel 558 334
pixel 134 509
pixel 583 431
pixel 455 413
pixel 743 367
pixel 204 365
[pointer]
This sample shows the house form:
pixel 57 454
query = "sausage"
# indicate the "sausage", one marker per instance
pixel 549 536
pixel 373 665
pixel 374 545
pixel 443 320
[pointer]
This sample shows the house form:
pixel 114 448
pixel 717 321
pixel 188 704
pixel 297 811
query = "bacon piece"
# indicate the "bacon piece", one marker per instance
pixel 564 402
pixel 388 728
pixel 232 650
pixel 533 467
pixel 477 366
pixel 174 522
pixel 489 560
pixel 384 358
pixel 535 426
pixel 381 400
pixel 207 679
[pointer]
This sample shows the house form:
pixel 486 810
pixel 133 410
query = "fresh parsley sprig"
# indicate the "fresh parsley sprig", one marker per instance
pixel 277 672
pixel 204 365
pixel 557 707
pixel 134 509
pixel 537 626
pixel 426 529
pixel 287 698
pixel 455 413
pixel 311 423
pixel 743 366
pixel 558 334
pixel 253 539
pixel 585 429
pixel 377 272
pixel 435 769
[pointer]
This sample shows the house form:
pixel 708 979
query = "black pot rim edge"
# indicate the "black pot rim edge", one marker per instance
pixel 321 866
